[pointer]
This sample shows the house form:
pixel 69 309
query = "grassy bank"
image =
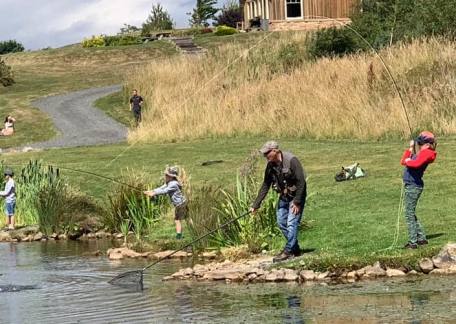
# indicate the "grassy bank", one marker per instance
pixel 274 88
pixel 347 223
pixel 55 71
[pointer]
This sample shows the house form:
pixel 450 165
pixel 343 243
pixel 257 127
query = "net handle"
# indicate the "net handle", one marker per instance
pixel 196 240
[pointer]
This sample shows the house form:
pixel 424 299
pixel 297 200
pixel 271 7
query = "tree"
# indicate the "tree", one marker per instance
pixel 203 12
pixel 128 29
pixel 159 19
pixel 230 15
pixel 6 76
pixel 10 46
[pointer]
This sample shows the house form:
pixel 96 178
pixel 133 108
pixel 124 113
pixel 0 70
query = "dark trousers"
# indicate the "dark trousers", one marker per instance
pixel 137 115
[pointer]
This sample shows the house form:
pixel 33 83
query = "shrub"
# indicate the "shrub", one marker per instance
pixel 158 19
pixel 10 46
pixel 229 16
pixel 6 75
pixel 121 40
pixel 332 42
pixel 94 41
pixel 225 30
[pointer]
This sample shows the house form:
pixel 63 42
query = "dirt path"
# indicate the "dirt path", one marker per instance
pixel 78 121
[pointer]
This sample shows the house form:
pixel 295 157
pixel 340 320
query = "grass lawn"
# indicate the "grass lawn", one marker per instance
pixel 348 223
pixel 56 71
pixel 116 106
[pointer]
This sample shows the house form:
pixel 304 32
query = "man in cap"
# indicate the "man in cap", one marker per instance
pixel 10 197
pixel 136 102
pixel 285 173
pixel 415 165
pixel 173 188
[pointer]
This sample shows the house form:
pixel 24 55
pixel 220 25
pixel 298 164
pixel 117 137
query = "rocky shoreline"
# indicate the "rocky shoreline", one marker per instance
pixel 33 234
pixel 258 270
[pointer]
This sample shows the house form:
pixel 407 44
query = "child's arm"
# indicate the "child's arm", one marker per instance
pixel 426 156
pixel 7 191
pixel 163 190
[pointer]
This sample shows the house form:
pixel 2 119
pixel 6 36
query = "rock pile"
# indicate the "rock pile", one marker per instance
pixel 257 271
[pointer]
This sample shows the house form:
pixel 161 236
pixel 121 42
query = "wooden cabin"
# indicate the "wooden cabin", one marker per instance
pixel 296 14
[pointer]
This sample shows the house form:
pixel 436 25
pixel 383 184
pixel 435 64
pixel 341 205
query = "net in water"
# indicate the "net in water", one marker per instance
pixel 131 280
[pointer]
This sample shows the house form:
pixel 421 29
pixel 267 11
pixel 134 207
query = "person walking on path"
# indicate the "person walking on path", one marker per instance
pixel 173 188
pixel 415 165
pixel 136 102
pixel 10 197
pixel 285 173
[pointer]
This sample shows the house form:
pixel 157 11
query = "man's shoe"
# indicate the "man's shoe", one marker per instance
pixel 282 257
pixel 410 246
pixel 422 242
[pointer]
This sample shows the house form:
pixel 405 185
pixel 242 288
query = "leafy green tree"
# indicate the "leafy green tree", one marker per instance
pixel 159 19
pixel 230 14
pixel 204 11
pixel 6 75
pixel 10 46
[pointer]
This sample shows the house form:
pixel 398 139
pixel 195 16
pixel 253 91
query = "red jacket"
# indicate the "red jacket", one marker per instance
pixel 415 167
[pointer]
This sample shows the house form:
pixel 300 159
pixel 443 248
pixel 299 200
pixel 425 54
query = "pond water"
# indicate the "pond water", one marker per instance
pixel 71 287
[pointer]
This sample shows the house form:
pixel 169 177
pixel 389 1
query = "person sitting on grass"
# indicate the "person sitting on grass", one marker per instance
pixel 10 197
pixel 173 188
pixel 415 165
pixel 9 126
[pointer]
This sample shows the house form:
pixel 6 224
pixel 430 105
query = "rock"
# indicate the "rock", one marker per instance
pixel 5 236
pixel 374 271
pixel 426 265
pixel 76 234
pixel 307 275
pixel 444 271
pixel 27 149
pixel 275 275
pixel 102 234
pixel 164 254
pixel 322 276
pixel 394 273
pixel 62 237
pixel 446 257
pixel 91 236
pixel 54 236
pixel 232 275
pixel 351 275
pixel 119 236
pixel 167 278
pixel 28 238
pixel 412 273
pixel 21 233
pixel 290 275
pixel 120 253
pixel 209 255
pixel 38 236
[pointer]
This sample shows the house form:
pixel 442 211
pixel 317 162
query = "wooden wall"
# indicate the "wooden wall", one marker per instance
pixel 315 8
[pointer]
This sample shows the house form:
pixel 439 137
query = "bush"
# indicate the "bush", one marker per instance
pixel 6 75
pixel 333 42
pixel 10 46
pixel 122 40
pixel 225 30
pixel 229 16
pixel 94 41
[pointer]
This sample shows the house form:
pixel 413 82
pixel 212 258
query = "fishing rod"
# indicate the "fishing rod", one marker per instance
pixel 89 173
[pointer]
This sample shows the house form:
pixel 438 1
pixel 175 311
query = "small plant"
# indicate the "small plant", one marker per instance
pixel 125 229
pixel 225 30
pixel 122 40
pixel 94 41
pixel 333 42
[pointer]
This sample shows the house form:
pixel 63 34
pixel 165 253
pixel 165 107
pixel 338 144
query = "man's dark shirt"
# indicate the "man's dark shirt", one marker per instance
pixel 136 102
pixel 294 178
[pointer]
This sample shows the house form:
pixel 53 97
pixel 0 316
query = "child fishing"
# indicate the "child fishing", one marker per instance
pixel 415 165
pixel 10 197
pixel 173 188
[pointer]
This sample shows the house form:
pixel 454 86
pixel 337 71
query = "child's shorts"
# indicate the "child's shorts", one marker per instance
pixel 181 212
pixel 10 207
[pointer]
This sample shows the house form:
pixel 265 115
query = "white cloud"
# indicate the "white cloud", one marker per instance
pixel 42 23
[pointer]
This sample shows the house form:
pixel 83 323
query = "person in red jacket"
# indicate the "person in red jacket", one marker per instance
pixel 415 165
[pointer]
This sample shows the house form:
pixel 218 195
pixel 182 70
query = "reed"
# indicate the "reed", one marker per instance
pixel 276 89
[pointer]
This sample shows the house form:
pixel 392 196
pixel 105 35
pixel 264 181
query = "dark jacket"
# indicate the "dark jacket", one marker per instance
pixel 288 179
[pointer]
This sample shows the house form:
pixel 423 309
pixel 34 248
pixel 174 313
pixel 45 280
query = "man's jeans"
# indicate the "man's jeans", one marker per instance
pixel 289 225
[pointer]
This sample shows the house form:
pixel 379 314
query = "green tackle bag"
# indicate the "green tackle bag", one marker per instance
pixel 350 172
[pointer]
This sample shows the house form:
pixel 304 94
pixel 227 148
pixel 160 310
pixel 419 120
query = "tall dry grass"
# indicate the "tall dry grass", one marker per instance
pixel 274 89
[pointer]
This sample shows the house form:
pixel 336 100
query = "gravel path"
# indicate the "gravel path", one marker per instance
pixel 78 121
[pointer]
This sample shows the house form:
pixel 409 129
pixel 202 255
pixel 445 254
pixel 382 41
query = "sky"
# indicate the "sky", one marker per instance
pixel 53 23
